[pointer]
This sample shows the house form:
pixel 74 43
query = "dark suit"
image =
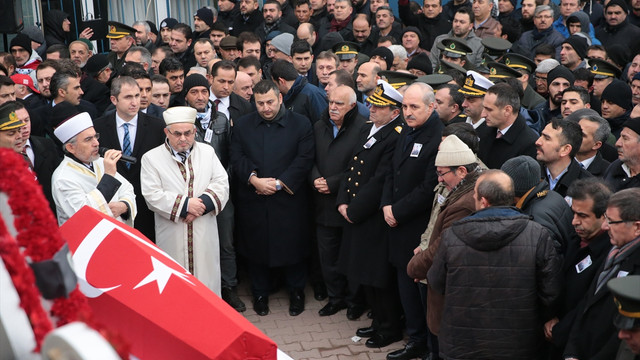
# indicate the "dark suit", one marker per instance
pixel 149 134
pixel 238 107
pixel 409 190
pixel 598 166
pixel 574 172
pixel 96 93
pixel 519 140
pixel 46 160
pixel 45 127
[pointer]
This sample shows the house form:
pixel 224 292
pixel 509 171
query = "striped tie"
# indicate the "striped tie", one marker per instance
pixel 183 156
pixel 126 143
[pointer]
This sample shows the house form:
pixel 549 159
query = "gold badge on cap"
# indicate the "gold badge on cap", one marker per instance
pixel 379 90
pixel 13 116
pixel 345 48
pixel 595 67
pixel 452 46
pixel 112 28
pixel 470 81
pixel 493 71
pixel 507 62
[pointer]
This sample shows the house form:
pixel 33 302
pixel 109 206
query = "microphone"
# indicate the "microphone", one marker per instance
pixel 124 158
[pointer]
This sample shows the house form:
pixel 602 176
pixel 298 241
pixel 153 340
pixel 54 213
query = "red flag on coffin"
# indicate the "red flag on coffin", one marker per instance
pixel 161 309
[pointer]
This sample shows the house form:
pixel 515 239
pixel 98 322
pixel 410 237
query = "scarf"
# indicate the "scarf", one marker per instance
pixel 339 25
pixel 612 263
pixel 537 35
pixel 269 28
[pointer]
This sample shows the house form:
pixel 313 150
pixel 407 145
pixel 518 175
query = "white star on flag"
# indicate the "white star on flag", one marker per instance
pixel 161 273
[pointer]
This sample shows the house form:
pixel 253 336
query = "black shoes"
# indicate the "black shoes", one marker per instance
pixel 231 297
pixel 332 308
pixel 366 332
pixel 355 311
pixel 261 305
pixel 296 302
pixel 379 340
pixel 319 291
pixel 411 351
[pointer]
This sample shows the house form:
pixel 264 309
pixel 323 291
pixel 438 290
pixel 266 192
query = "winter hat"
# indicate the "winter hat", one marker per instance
pixel 95 64
pixel 61 112
pixel 619 93
pixel 168 23
pixel 385 54
pixel 152 27
pixel 547 65
pixel 620 3
pixel 34 33
pixel 453 152
pixel 283 43
pixel 524 171
pixel 619 54
pixel 579 44
pixel 194 80
pixel 23 41
pixel 414 30
pixel 205 14
pixel 560 72
pixel 633 124
pixel 420 62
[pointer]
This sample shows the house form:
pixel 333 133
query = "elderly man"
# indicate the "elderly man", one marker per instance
pixel 542 34
pixel 84 178
pixel 367 79
pixel 121 37
pixel 406 204
pixel 623 173
pixel 593 334
pixel 185 211
pixel 364 261
pixel 494 241
pixel 336 136
pixel 583 256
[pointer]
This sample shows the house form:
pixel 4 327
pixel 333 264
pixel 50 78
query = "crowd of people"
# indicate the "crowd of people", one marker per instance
pixel 466 174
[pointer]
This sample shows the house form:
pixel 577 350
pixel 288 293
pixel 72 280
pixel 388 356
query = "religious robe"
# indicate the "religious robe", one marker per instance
pixel 167 185
pixel 74 185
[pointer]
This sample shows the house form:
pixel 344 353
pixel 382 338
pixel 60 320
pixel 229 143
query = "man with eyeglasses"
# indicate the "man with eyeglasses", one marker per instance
pixel 84 178
pixel 594 335
pixel 186 186
pixel 544 33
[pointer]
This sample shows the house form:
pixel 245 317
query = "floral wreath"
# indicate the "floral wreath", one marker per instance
pixel 38 239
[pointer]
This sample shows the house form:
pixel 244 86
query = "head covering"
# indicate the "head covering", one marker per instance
pixel 26 80
pixel 501 71
pixel 547 65
pixel 272 34
pixel 445 65
pixel 180 114
pixel 453 152
pixel 327 42
pixel 168 23
pixel 205 14
pixel 95 64
pixel 579 44
pixel 453 48
pixel 619 54
pixel 118 30
pixel 34 33
pixel 61 112
pixel 420 62
pixel 283 43
pixel 435 80
pixel 626 296
pixel 152 27
pixel 496 47
pixel 347 50
pixel 398 79
pixel 517 61
pixel 603 69
pixel 581 17
pixel 619 93
pixel 560 72
pixel 475 84
pixel 194 80
pixel 524 171
pixel 385 95
pixel 412 29
pixel 73 126
pixel 385 54
pixel 636 76
pixel 8 118
pixel 633 124
pixel 21 40
pixel 88 43
pixel 620 3
pixel 229 42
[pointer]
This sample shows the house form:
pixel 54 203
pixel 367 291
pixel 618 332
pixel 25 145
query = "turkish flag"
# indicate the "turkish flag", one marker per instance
pixel 163 311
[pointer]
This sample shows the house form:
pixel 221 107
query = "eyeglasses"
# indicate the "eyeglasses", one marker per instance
pixel 540 78
pixel 614 222
pixel 442 174
pixel 179 134
pixel 543 17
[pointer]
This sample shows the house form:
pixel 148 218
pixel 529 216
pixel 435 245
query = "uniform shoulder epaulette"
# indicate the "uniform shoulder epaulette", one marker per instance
pixel 542 193
pixel 398 129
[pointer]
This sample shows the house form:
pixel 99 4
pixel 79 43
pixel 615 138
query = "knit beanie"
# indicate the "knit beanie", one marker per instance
pixel 453 152
pixel 619 55
pixel 206 15
pixel 283 43
pixel 168 23
pixel 23 41
pixel 414 30
pixel 514 3
pixel 385 54
pixel 560 72
pixel 524 171
pixel 420 62
pixel 194 80
pixel 620 3
pixel 152 27
pixel 619 93
pixel 579 44
pixel 633 124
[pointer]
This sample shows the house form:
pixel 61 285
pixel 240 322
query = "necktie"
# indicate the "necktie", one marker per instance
pixel 498 135
pixel 26 157
pixel 126 143
pixel 183 156
pixel 216 102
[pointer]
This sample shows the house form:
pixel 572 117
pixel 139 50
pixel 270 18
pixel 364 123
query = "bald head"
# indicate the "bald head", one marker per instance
pixel 243 85
pixel 494 188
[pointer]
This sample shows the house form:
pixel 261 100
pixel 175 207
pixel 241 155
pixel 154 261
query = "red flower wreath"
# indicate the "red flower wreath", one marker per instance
pixel 39 239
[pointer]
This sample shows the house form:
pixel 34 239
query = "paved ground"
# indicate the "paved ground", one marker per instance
pixel 309 336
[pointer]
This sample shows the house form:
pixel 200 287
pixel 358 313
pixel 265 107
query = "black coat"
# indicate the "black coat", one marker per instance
pixel 149 134
pixel 272 230
pixel 96 93
pixel 283 27
pixel 364 249
pixel 429 28
pixel 332 156
pixel 46 160
pixel 618 179
pixel 238 107
pixel 574 172
pixel 593 335
pixel 252 23
pixel 625 34
pixel 519 140
pixel 409 188
pixel 598 166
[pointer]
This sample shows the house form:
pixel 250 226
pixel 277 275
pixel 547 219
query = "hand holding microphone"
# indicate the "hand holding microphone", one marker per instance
pixel 124 158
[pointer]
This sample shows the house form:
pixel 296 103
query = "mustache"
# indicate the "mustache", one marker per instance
pixel 334 112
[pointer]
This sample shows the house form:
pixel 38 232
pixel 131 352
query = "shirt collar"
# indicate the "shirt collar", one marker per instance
pixel 132 122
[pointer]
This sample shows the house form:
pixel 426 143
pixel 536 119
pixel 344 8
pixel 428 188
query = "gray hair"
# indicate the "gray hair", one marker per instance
pixel 428 97
pixel 604 129
pixel 542 8
pixel 145 24
pixel 399 51
pixel 145 55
